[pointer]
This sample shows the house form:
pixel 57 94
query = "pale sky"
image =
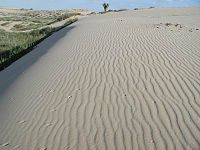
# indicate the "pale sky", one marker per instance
pixel 96 4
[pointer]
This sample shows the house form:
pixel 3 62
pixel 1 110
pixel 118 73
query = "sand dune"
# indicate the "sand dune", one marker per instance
pixel 115 81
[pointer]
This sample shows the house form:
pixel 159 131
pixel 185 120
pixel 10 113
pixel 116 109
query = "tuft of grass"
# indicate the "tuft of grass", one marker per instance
pixel 5 23
pixel 18 27
pixel 65 16
pixel 24 27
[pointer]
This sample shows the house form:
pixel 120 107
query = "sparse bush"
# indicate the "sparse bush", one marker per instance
pixel 18 27
pixel 24 27
pixel 67 15
pixel 5 23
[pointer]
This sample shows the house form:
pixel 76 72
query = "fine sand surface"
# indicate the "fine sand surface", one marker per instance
pixel 124 80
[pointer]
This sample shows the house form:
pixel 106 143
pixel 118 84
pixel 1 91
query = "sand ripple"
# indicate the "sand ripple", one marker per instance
pixel 112 82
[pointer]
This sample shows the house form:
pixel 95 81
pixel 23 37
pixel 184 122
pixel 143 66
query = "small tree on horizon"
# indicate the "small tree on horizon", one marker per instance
pixel 105 6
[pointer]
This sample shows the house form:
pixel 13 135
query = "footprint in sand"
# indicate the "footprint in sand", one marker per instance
pixel 52 110
pixel 16 147
pixel 5 144
pixel 22 121
pixel 152 141
pixel 51 91
pixel 48 124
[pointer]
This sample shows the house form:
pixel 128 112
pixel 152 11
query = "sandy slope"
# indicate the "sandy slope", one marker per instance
pixel 113 81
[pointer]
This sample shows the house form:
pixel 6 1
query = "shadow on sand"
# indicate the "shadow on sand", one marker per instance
pixel 11 73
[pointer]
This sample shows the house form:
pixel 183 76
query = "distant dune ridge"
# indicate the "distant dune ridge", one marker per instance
pixel 121 80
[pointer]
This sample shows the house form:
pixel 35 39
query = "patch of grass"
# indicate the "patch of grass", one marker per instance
pixel 14 45
pixel 35 20
pixel 24 27
pixel 65 16
pixel 12 18
pixel 11 40
pixel 18 27
pixel 5 23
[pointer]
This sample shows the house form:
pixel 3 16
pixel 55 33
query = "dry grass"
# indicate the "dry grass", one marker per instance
pixel 28 19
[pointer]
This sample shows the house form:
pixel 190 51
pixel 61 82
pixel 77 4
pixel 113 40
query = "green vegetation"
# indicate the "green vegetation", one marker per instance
pixel 24 27
pixel 5 23
pixel 34 20
pixel 11 40
pixel 105 6
pixel 12 44
pixel 65 16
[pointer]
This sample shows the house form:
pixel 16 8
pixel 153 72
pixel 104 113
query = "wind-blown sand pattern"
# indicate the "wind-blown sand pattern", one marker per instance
pixel 114 81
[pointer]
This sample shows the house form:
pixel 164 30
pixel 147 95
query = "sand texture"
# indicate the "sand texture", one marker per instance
pixel 124 80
